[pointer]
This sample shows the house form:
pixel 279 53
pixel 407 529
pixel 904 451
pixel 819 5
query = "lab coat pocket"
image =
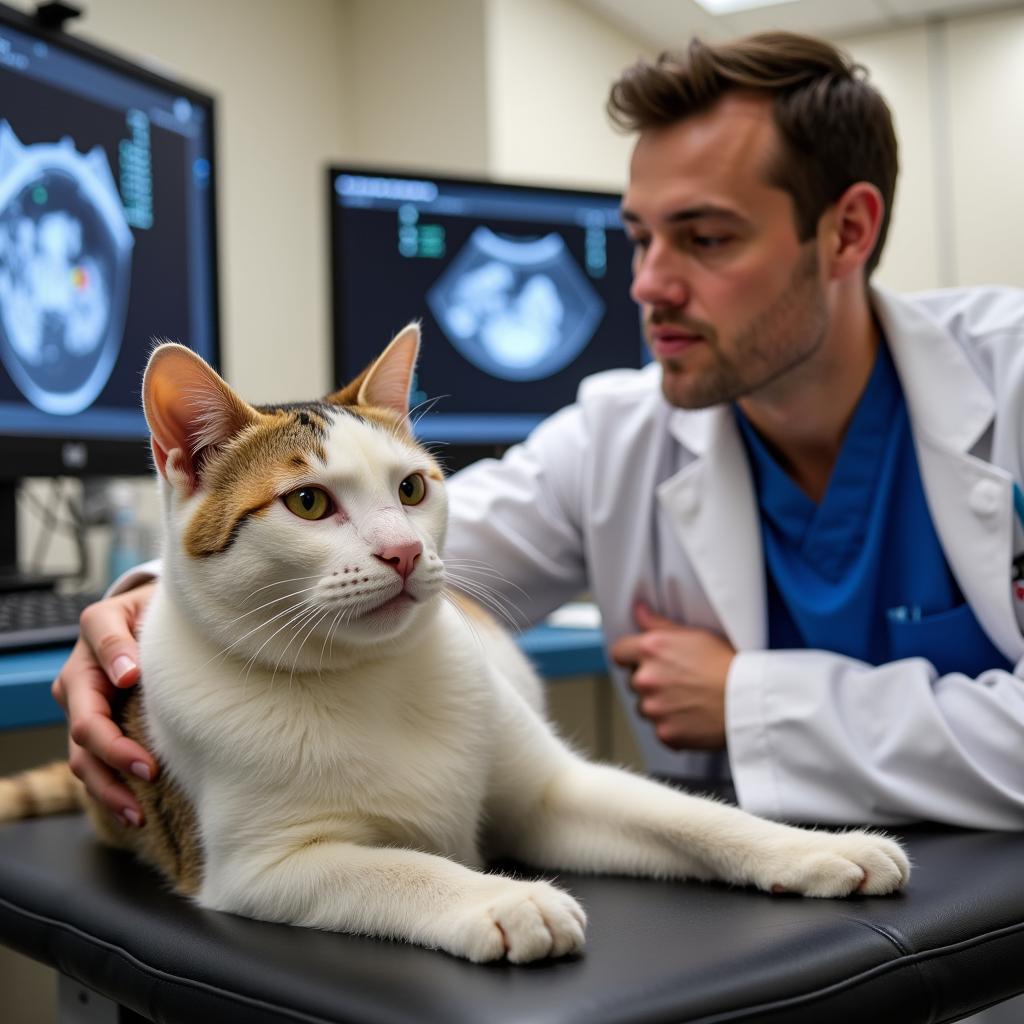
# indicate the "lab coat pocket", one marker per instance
pixel 952 641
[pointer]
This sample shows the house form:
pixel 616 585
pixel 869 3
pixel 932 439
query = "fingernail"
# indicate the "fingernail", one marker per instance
pixel 141 769
pixel 122 666
pixel 131 817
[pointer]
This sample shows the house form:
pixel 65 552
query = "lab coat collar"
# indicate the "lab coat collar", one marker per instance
pixel 713 509
pixel 948 402
pixel 696 430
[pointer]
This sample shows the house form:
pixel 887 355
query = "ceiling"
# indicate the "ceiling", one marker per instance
pixel 667 24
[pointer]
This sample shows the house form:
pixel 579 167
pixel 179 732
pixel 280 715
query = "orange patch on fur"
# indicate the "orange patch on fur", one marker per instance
pixel 244 479
pixel 169 837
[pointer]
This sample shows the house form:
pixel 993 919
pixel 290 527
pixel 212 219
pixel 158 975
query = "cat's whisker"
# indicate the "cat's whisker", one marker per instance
pixel 309 632
pixel 267 622
pixel 471 564
pixel 281 583
pixel 470 625
pixel 315 616
pixel 491 600
pixel 342 617
pixel 329 637
pixel 469 583
pixel 297 626
pixel 225 651
pixel 295 623
pixel 497 611
pixel 472 574
pixel 410 419
pixel 299 613
pixel 436 450
pixel 284 597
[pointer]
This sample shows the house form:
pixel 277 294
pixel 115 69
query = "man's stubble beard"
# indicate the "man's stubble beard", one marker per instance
pixel 776 341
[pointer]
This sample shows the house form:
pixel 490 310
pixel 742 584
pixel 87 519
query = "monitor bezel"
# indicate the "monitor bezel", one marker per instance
pixel 77 454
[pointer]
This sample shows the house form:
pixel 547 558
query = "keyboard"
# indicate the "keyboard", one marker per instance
pixel 40 618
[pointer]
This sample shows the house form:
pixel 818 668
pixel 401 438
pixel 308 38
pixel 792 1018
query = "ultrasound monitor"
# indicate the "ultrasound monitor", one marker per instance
pixel 521 291
pixel 106 244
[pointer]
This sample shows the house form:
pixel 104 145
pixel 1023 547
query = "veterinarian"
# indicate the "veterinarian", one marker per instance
pixel 799 521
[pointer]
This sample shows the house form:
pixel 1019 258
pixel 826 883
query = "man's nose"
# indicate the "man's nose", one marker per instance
pixel 659 278
pixel 401 557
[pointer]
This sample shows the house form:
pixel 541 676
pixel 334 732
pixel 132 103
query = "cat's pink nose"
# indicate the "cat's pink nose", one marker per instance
pixel 401 557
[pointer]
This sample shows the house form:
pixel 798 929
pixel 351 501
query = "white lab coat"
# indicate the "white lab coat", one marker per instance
pixel 627 497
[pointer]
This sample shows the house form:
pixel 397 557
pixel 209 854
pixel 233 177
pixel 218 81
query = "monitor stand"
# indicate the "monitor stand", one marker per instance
pixel 11 578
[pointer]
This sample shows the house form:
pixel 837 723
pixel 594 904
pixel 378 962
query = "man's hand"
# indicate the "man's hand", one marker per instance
pixel 679 676
pixel 105 656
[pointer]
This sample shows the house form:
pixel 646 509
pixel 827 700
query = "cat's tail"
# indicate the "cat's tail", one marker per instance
pixel 51 789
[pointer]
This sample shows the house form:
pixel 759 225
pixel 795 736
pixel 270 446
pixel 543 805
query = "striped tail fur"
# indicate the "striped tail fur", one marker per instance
pixel 51 789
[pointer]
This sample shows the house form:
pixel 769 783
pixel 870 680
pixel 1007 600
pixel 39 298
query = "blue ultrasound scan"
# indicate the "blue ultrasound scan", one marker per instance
pixel 65 270
pixel 518 309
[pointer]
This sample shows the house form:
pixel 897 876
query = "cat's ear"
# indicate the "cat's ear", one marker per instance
pixel 385 384
pixel 191 411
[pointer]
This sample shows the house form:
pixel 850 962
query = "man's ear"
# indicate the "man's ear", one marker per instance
pixel 853 224
pixel 191 412
pixel 386 383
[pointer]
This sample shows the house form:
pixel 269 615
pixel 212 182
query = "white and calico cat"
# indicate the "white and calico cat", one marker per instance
pixel 344 741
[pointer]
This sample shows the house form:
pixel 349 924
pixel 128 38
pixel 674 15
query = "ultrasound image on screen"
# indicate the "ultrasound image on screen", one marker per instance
pixel 518 310
pixel 65 271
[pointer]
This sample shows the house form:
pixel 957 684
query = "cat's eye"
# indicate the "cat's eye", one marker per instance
pixel 412 490
pixel 309 503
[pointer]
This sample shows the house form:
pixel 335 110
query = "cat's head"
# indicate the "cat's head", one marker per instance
pixel 302 535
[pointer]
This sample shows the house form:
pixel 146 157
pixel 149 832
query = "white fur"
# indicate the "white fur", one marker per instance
pixel 352 773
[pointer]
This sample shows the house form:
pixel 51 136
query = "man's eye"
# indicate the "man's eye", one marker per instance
pixel 710 241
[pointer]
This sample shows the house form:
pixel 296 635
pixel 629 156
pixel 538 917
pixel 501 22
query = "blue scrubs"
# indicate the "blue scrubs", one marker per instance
pixel 863 573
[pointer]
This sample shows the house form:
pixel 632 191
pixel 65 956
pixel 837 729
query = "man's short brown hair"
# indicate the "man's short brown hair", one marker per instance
pixel 835 128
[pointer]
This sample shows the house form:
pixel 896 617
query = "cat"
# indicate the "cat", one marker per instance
pixel 344 741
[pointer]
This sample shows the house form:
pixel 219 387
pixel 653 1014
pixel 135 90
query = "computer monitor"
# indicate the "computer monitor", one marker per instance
pixel 522 291
pixel 107 242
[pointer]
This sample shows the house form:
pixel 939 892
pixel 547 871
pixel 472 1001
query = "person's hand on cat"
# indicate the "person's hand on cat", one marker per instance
pixel 104 658
pixel 679 676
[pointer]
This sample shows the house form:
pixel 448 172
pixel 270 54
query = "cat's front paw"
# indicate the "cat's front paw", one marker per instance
pixel 830 864
pixel 521 921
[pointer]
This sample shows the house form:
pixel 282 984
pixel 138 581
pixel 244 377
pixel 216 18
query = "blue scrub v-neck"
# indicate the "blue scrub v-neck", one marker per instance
pixel 863 573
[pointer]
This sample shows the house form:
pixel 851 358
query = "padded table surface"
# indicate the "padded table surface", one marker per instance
pixel 952 943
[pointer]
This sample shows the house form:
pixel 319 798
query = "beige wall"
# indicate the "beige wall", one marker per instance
pixel 549 67
pixel 956 88
pixel 986 75
pixel 417 84
pixel 898 63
